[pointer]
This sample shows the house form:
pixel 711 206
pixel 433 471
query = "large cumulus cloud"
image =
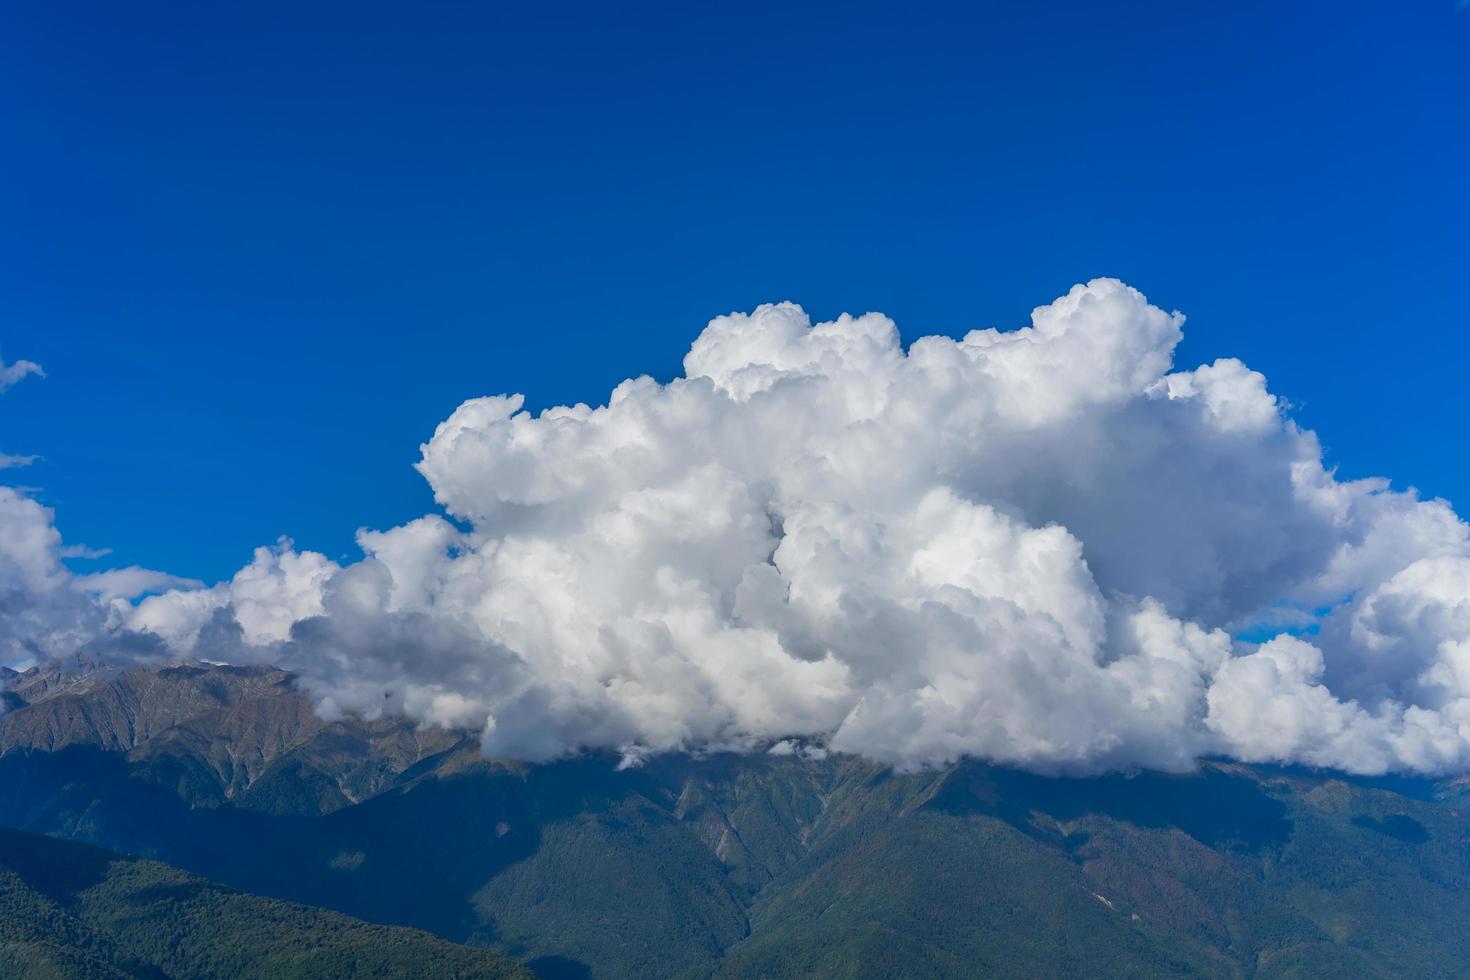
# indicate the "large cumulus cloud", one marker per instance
pixel 1036 546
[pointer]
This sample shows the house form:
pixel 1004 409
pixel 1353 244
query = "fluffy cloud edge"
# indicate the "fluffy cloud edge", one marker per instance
pixel 1035 546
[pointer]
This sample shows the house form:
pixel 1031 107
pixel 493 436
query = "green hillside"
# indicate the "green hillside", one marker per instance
pixel 1232 872
pixel 756 866
pixel 73 912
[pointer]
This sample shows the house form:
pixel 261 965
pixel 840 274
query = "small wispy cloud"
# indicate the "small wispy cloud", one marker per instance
pixel 131 582
pixel 82 551
pixel 10 374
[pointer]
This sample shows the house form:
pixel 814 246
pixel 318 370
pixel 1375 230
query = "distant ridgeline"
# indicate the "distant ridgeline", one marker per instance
pixel 732 866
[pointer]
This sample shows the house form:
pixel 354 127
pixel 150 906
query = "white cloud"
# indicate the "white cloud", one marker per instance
pixel 12 373
pixel 130 582
pixel 46 612
pixel 1032 546
pixel 279 587
pixel 9 375
pixel 82 551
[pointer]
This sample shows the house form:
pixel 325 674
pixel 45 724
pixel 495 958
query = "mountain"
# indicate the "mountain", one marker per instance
pixel 77 912
pixel 765 865
pixel 243 735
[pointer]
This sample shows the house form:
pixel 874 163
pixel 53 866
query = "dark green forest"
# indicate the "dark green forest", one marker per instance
pixel 77 912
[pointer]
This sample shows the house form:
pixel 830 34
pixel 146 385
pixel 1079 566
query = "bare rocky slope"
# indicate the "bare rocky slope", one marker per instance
pixel 245 735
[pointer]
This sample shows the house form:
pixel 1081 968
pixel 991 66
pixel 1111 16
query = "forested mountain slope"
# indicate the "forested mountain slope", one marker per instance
pixel 76 912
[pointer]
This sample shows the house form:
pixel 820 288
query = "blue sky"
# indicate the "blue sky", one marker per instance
pixel 261 253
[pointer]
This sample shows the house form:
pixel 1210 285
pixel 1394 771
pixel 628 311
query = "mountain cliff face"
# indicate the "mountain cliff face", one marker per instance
pixel 764 865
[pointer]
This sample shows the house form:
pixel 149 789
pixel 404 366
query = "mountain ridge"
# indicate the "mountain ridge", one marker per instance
pixel 787 865
pixel 219 728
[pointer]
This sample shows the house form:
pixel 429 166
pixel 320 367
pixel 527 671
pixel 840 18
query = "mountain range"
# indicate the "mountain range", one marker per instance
pixel 788 863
